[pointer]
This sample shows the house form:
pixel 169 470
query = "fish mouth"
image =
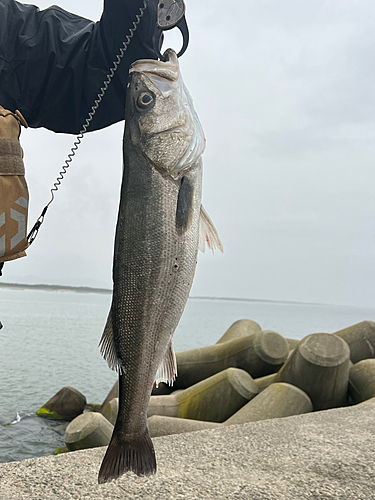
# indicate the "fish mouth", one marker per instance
pixel 167 70
pixel 173 130
pixel 179 129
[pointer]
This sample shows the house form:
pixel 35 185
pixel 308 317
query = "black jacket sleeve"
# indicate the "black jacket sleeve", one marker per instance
pixel 53 63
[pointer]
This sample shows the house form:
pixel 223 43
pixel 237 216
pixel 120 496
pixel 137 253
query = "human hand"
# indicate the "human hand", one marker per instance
pixel 10 124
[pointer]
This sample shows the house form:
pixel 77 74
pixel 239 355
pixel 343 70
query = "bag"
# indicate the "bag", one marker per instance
pixel 14 194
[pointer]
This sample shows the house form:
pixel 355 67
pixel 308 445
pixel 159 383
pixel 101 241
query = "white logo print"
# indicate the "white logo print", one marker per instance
pixel 2 239
pixel 21 219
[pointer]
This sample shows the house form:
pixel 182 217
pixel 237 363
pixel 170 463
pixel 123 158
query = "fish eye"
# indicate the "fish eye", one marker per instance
pixel 144 100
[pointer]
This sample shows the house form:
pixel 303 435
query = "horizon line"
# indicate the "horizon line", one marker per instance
pixel 107 291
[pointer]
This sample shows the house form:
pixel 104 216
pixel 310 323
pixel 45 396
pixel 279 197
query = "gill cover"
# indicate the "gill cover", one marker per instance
pixel 166 128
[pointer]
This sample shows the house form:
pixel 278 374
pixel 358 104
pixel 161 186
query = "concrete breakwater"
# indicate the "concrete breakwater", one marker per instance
pixel 319 455
pixel 247 376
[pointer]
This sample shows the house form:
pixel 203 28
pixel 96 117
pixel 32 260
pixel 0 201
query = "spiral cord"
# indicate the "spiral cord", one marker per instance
pixel 34 231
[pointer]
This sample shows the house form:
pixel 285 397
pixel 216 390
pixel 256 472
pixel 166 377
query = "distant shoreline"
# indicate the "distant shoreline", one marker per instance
pixel 108 291
pixel 55 288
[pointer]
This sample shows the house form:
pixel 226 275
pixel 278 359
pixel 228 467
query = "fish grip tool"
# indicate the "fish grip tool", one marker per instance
pixel 171 13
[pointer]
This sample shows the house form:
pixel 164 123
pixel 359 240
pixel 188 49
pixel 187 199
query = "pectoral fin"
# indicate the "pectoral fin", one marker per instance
pixel 208 233
pixel 108 348
pixel 184 209
pixel 167 371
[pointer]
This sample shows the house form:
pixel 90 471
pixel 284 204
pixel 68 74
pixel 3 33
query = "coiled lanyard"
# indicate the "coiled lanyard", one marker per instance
pixel 171 13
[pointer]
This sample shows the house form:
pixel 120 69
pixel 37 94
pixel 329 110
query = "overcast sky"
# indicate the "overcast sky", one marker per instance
pixel 285 93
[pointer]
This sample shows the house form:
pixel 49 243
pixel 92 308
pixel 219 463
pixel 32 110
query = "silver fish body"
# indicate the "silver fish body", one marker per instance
pixel 156 245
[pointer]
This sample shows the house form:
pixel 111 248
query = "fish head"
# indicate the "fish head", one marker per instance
pixel 160 117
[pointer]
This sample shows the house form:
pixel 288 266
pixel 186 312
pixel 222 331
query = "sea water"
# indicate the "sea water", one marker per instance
pixel 50 340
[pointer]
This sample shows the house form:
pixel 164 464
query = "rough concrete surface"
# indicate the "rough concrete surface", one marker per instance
pixel 324 455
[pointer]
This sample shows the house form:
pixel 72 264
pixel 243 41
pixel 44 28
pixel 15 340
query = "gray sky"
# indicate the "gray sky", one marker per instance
pixel 285 93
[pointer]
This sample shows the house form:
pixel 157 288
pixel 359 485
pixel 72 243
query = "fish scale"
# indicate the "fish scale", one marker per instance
pixel 155 255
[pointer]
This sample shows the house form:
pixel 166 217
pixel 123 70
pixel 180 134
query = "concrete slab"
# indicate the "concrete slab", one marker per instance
pixel 323 455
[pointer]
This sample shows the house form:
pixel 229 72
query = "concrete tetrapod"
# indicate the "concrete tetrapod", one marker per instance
pixel 110 410
pixel 293 343
pixel 88 431
pixel 239 329
pixel 264 382
pixel 214 399
pixel 360 339
pixel 362 380
pixel 162 389
pixel 113 393
pixel 320 367
pixel 276 401
pixel 259 354
pixel 65 405
pixel 159 425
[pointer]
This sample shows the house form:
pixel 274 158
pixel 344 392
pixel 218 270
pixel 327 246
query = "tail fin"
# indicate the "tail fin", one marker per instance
pixel 137 455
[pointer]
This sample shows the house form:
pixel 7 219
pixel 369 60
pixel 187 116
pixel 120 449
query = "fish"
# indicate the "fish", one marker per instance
pixel 161 224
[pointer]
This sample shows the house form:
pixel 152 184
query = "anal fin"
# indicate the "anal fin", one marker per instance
pixel 108 348
pixel 167 371
pixel 208 233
